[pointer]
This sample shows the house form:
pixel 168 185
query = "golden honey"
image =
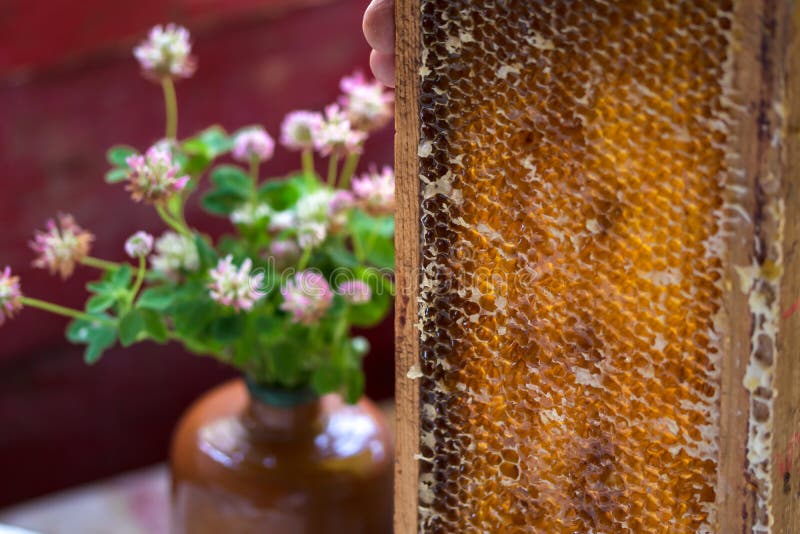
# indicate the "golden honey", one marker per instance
pixel 572 180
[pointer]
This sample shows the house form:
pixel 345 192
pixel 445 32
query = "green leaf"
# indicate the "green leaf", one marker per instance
pixel 220 203
pixel 100 303
pixel 79 330
pixel 286 362
pixel 156 298
pixel 192 316
pixel 226 330
pixel 101 286
pixel 340 256
pixel 208 257
pixel 211 143
pixel 282 194
pixel 373 239
pixel 154 326
pixel 116 175
pixel 195 164
pixel 130 326
pixel 121 277
pixel 232 187
pixel 117 155
pixel 232 179
pixel 102 338
pixel 353 384
pixel 326 379
pixel 373 312
pixel 96 336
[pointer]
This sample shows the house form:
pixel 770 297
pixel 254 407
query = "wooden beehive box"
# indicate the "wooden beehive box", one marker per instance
pixel 597 272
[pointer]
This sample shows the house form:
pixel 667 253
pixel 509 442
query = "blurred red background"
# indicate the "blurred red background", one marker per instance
pixel 70 88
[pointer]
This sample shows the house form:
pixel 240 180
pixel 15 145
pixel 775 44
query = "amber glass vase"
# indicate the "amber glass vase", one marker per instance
pixel 248 459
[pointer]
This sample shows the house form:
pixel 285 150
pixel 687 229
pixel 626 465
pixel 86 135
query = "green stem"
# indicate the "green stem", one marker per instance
pixel 172 223
pixel 137 284
pixel 62 310
pixel 308 162
pixel 334 161
pixel 348 170
pixel 100 264
pixel 171 106
pixel 304 259
pixel 338 333
pixel 254 176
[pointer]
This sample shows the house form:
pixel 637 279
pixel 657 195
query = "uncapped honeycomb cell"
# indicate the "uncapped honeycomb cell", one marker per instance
pixel 573 167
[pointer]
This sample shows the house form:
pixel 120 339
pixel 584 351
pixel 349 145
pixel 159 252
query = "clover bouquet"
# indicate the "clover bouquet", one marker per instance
pixel 309 256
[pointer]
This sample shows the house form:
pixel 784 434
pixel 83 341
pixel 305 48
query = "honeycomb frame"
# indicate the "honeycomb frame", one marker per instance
pixel 743 192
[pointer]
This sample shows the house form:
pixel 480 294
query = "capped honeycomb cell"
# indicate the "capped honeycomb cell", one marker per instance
pixel 595 211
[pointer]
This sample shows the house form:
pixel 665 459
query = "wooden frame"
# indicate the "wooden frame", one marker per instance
pixel 407 242
pixel 762 268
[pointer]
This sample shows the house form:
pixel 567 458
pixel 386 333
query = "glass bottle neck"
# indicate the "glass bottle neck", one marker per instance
pixel 279 414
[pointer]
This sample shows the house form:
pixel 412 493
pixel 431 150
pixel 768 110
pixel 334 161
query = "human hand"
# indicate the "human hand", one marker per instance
pixel 378 28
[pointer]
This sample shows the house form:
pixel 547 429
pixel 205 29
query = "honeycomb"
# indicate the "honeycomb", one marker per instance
pixel 573 173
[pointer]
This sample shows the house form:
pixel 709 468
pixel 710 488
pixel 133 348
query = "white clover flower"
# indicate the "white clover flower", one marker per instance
pixel 297 129
pixel 61 246
pixel 166 53
pixel 355 291
pixel 340 202
pixel 253 143
pixel 367 104
pixel 174 253
pixel 374 191
pixel 235 287
pixel 307 296
pixel 10 295
pixel 153 177
pixel 281 221
pixel 250 214
pixel 311 234
pixel 314 206
pixel 139 245
pixel 335 135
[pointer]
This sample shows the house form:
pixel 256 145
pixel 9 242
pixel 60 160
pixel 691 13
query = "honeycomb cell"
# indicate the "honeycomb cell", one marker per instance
pixel 572 177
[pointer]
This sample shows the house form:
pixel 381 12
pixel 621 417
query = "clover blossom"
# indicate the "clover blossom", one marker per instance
pixel 335 135
pixel 355 291
pixel 253 143
pixel 61 246
pixel 166 53
pixel 174 252
pixel 314 206
pixel 250 213
pixel 153 177
pixel 235 287
pixel 307 296
pixel 311 234
pixel 340 202
pixel 374 191
pixel 312 218
pixel 10 295
pixel 280 221
pixel 297 129
pixel 139 245
pixel 367 104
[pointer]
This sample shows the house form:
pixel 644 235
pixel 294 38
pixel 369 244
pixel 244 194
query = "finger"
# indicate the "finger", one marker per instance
pixel 378 25
pixel 382 66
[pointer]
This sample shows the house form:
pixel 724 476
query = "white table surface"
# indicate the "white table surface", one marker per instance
pixel 132 503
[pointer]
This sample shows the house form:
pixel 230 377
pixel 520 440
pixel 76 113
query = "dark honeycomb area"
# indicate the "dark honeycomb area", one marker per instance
pixel 573 165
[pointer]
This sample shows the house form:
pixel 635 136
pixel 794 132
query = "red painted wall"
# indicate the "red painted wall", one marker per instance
pixel 69 88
